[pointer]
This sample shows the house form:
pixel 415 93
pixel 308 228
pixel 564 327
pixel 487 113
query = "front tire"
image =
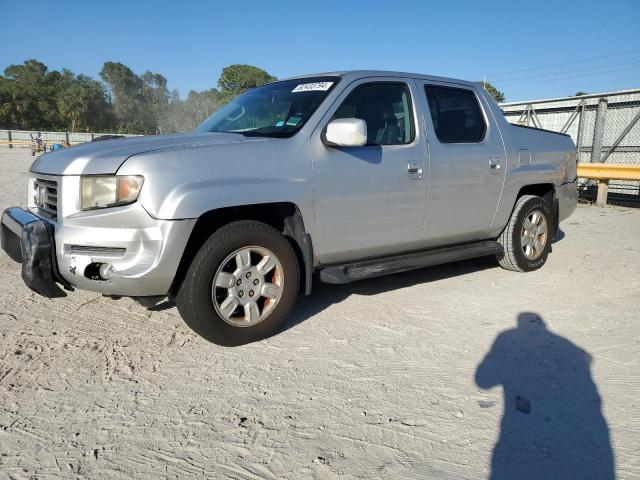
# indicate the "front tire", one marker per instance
pixel 241 285
pixel 526 239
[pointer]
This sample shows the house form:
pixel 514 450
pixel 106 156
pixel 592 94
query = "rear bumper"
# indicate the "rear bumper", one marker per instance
pixel 29 239
pixel 567 196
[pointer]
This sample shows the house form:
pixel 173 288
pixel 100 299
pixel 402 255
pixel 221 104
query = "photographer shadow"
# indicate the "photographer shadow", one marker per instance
pixel 552 426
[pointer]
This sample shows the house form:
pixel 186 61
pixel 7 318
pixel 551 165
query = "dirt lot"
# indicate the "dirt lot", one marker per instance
pixel 453 372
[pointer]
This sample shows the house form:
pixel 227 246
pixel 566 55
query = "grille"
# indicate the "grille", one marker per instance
pixel 45 196
pixel 114 252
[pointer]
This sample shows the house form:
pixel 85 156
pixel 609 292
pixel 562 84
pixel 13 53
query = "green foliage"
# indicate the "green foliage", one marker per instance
pixel 188 114
pixel 497 95
pixel 82 101
pixel 139 101
pixel 236 79
pixel 580 94
pixel 33 98
pixel 27 95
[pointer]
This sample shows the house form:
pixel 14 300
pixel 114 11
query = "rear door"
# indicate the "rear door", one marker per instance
pixel 467 163
pixel 371 200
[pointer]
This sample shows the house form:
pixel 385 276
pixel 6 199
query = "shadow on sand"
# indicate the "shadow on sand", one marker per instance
pixel 552 426
pixel 325 295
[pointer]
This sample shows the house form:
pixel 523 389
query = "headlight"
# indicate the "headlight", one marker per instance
pixel 101 191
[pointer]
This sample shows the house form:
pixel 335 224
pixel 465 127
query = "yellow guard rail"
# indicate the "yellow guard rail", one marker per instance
pixel 603 172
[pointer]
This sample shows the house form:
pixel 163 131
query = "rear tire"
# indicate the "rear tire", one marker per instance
pixel 232 258
pixel 526 239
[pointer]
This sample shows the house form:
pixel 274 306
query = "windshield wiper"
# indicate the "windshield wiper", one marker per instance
pixel 258 132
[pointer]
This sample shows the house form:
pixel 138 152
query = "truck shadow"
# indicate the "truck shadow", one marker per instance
pixel 552 425
pixel 324 295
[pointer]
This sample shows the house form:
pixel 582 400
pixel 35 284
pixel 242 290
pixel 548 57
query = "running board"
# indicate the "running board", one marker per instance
pixel 375 267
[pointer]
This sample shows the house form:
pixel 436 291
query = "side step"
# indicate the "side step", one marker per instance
pixel 375 267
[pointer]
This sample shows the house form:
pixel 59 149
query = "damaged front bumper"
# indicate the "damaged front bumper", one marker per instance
pixel 29 239
pixel 142 253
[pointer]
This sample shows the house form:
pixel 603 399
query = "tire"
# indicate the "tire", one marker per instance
pixel 203 306
pixel 518 254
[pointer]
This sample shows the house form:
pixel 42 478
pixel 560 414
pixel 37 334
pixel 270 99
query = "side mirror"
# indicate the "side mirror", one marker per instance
pixel 346 132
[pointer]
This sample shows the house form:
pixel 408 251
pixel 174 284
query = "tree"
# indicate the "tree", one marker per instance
pixel 156 97
pixel 139 100
pixel 98 115
pixel 236 79
pixel 28 96
pixel 580 94
pixel 126 89
pixel 188 114
pixel 34 98
pixel 82 102
pixel 72 104
pixel 31 97
pixel 497 95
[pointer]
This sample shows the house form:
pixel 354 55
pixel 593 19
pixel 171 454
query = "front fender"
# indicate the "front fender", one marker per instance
pixel 190 199
pixel 186 183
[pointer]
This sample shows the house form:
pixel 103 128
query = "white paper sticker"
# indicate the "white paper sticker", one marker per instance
pixel 315 86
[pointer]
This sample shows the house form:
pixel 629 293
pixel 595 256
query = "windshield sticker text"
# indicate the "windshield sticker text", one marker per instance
pixel 310 87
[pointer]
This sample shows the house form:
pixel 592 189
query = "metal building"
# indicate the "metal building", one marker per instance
pixel 605 127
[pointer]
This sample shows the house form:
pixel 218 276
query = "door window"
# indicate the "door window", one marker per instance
pixel 386 107
pixel 456 114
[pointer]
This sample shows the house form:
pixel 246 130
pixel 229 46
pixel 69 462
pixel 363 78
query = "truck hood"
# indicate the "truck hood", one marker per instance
pixel 106 156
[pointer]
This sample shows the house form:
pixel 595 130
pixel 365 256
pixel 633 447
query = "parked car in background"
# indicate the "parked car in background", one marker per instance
pixel 337 176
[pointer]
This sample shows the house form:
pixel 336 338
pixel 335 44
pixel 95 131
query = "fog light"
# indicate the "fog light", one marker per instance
pixel 106 271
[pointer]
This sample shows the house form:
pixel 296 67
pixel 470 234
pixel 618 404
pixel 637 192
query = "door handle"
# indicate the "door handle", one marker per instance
pixel 415 170
pixel 494 163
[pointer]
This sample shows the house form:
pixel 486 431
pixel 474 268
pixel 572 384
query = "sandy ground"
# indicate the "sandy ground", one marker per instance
pixel 398 377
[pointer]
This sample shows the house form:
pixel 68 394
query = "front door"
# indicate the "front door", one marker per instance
pixel 371 200
pixel 467 164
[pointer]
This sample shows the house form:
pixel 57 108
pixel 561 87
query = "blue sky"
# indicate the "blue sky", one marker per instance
pixel 553 48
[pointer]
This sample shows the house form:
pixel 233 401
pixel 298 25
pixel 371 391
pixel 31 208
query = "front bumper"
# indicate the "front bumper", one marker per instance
pixel 144 252
pixel 29 239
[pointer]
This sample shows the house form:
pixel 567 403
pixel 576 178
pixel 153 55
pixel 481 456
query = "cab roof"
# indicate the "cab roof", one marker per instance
pixel 358 74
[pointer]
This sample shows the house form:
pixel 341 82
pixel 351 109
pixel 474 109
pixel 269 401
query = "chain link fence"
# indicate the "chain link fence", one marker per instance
pixel 64 138
pixel 605 128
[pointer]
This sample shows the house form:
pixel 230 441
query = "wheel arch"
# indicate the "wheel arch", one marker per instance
pixel 285 217
pixel 546 191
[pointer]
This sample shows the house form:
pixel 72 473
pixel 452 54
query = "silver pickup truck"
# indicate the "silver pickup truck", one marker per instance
pixel 338 176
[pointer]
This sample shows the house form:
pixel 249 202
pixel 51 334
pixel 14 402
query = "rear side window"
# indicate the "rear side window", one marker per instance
pixel 386 107
pixel 456 114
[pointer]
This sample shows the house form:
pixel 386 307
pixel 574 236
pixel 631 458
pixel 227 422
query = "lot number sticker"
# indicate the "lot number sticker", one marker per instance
pixel 310 87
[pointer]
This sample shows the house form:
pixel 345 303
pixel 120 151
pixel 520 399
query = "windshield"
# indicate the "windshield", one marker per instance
pixel 278 109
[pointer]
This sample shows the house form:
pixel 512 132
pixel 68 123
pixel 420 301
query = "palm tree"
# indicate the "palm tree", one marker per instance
pixel 72 103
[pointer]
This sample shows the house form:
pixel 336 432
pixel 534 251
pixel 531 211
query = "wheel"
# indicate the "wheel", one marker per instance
pixel 241 284
pixel 527 237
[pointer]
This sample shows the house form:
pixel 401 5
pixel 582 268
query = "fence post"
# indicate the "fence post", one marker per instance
pixel 10 145
pixel 603 191
pixel 579 136
pixel 66 138
pixel 598 131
